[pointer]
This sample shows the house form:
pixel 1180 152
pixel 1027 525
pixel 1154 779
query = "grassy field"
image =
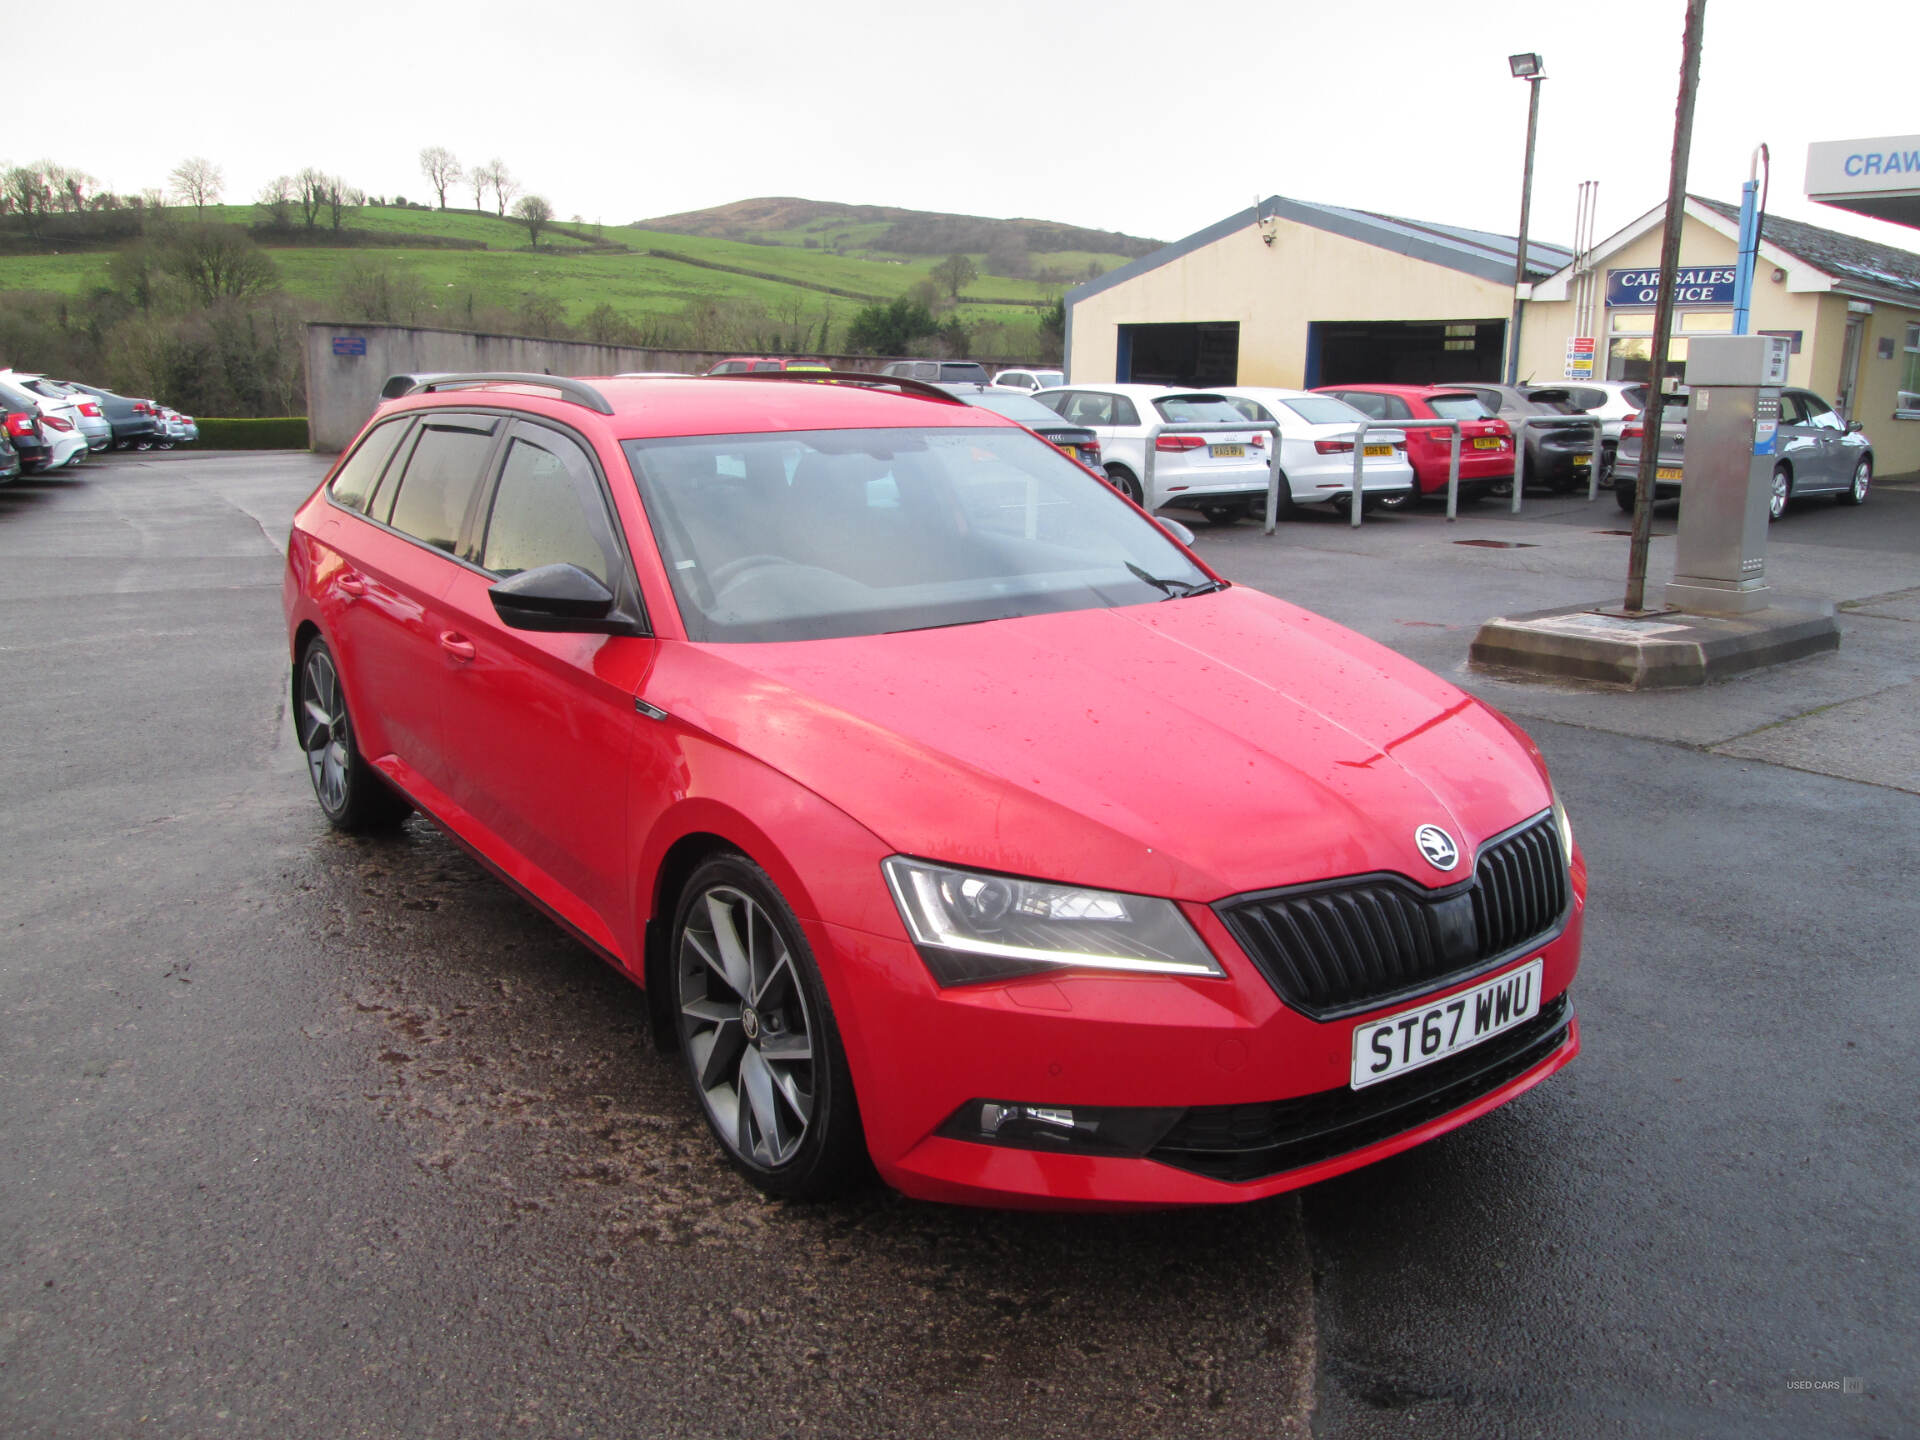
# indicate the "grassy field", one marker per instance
pixel 784 276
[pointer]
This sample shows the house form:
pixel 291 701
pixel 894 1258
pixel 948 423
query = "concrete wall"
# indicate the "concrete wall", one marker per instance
pixel 342 390
pixel 1275 292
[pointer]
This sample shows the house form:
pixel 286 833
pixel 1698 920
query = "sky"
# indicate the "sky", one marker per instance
pixel 1151 118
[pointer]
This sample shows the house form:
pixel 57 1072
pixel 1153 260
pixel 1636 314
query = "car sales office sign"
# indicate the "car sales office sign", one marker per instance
pixel 1701 285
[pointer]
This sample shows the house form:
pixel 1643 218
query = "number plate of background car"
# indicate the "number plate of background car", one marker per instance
pixel 1379 449
pixel 1664 473
pixel 1586 459
pixel 1406 1041
pixel 1229 452
pixel 1486 442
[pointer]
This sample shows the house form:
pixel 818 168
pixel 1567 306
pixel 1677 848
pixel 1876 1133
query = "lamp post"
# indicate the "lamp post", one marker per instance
pixel 1528 68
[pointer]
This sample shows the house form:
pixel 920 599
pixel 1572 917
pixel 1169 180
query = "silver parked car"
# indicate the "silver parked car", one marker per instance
pixel 1817 453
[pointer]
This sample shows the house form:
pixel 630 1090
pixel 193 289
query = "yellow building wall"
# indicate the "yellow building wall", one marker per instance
pixel 1275 292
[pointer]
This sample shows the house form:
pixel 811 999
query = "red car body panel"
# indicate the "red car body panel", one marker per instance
pixel 1429 450
pixel 1226 744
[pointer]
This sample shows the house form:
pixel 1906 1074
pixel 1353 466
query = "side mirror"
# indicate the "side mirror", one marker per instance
pixel 1854 427
pixel 1176 530
pixel 559 598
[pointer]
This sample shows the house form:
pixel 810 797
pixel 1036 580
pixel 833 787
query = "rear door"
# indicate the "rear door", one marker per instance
pixel 396 561
pixel 1799 442
pixel 540 727
pixel 1829 434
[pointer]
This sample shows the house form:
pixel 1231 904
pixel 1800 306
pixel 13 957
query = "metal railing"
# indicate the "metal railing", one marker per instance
pixel 1212 427
pixel 1557 422
pixel 1357 496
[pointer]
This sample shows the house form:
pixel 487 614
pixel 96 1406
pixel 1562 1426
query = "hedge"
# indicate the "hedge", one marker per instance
pixel 284 432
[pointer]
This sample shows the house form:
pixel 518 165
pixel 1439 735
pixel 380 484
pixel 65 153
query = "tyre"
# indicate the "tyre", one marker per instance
pixel 351 793
pixel 1223 514
pixel 1623 496
pixel 1607 454
pixel 1782 493
pixel 1403 501
pixel 758 1037
pixel 1282 504
pixel 1856 493
pixel 1122 479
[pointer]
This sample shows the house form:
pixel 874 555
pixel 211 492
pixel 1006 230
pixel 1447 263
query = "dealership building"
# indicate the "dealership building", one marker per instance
pixel 1298 294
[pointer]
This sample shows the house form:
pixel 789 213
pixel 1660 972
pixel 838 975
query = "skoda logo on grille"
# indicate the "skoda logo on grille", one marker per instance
pixel 1437 846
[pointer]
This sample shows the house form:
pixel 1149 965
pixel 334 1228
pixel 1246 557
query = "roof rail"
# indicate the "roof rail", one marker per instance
pixel 921 388
pixel 565 386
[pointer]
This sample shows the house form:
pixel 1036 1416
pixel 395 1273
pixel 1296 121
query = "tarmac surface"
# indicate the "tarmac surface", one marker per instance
pixel 310 1136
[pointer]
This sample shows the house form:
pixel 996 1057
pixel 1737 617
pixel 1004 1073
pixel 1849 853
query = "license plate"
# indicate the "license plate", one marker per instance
pixel 1666 472
pixel 1229 452
pixel 1379 449
pixel 1486 442
pixel 1586 459
pixel 1403 1042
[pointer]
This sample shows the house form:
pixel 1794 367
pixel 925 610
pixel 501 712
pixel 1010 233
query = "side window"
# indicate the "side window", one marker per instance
pixel 1392 407
pixel 1366 402
pixel 548 509
pixel 1090 409
pixel 1792 411
pixel 1123 412
pixel 1252 409
pixel 1057 401
pixel 730 367
pixel 367 463
pixel 766 367
pixel 1821 414
pixel 446 467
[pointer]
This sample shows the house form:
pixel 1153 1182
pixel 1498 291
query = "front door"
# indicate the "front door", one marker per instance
pixel 540 727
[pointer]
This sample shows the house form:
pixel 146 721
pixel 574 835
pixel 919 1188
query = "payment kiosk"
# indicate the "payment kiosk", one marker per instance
pixel 1733 418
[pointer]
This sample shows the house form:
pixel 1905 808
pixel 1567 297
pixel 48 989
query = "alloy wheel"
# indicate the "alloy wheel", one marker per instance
pixel 1862 482
pixel 323 730
pixel 1782 492
pixel 745 1025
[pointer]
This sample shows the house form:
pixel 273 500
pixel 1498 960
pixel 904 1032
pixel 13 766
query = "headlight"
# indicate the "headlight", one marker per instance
pixel 1562 824
pixel 972 926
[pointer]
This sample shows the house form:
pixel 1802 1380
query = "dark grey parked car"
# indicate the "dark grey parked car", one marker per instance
pixel 133 421
pixel 1816 453
pixel 1557 456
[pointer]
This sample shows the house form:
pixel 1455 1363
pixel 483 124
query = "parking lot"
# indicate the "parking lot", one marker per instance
pixel 315 1136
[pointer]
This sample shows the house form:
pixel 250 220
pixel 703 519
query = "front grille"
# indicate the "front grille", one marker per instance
pixel 1250 1142
pixel 1342 946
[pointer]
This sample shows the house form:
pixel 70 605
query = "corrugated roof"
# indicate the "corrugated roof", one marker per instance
pixel 1844 257
pixel 1474 252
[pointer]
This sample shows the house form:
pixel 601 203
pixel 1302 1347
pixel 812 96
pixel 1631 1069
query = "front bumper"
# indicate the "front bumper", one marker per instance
pixel 1228 1054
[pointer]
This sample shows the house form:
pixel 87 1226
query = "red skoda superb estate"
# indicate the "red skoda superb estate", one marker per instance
pixel 950 812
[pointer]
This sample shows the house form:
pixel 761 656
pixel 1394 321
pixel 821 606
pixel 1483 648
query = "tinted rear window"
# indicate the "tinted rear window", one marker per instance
pixel 1459 407
pixel 441 476
pixel 1324 410
pixel 964 370
pixel 363 468
pixel 1197 410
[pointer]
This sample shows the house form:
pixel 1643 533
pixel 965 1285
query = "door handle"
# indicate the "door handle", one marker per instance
pixel 457 645
pixel 354 585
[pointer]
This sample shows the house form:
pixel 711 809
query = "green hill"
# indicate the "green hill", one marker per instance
pixel 802 260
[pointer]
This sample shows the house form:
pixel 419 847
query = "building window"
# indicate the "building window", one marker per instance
pixel 1907 406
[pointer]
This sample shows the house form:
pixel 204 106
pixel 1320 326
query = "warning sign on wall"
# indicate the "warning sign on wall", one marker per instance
pixel 1580 351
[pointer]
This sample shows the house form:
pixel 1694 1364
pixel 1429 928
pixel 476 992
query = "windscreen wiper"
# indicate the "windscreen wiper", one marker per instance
pixel 1176 589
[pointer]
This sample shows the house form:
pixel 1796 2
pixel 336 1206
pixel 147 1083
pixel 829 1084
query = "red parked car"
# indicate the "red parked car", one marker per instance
pixel 951 813
pixel 764 365
pixel 1486 443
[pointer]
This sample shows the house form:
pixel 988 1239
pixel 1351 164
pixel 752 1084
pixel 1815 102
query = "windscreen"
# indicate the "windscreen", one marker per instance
pixel 961 370
pixel 1459 407
pixel 1324 410
pixel 1014 406
pixel 1197 410
pixel 816 534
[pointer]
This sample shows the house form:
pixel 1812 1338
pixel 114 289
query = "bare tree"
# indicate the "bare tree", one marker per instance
pixel 954 272
pixel 481 179
pixel 442 171
pixel 276 198
pixel 310 190
pixel 218 262
pixel 535 213
pixel 27 194
pixel 198 182
pixel 341 198
pixel 505 187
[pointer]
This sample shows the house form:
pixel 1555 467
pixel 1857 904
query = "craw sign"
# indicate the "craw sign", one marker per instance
pixel 1705 285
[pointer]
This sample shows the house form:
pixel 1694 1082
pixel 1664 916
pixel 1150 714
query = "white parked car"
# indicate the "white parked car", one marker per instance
pixel 1030 380
pixel 1612 402
pixel 1316 448
pixel 59 417
pixel 89 416
pixel 1221 474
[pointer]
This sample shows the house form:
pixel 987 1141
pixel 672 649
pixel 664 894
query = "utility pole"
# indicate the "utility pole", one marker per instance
pixel 1663 308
